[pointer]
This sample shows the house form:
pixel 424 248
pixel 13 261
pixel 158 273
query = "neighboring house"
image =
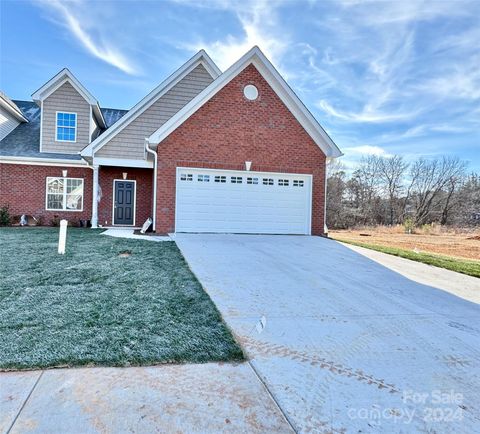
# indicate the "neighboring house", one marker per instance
pixel 205 151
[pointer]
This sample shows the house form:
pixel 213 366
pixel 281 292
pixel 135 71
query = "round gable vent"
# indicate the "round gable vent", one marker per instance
pixel 250 92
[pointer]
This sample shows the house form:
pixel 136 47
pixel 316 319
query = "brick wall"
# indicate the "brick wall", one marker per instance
pixel 144 192
pixel 23 187
pixel 229 130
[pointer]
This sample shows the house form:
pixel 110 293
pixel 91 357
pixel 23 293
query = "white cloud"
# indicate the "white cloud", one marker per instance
pixel 367 150
pixel 380 12
pixel 462 83
pixel 75 25
pixel 260 27
pixel 368 114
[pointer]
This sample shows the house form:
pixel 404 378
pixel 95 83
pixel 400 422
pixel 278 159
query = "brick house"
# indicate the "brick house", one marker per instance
pixel 205 151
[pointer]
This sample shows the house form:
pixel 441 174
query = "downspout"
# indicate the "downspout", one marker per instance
pixel 154 210
pixel 325 228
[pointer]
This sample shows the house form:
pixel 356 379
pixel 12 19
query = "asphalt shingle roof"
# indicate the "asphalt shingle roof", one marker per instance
pixel 112 115
pixel 24 141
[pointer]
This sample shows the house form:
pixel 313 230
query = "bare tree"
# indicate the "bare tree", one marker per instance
pixel 336 184
pixel 364 188
pixel 384 190
pixel 391 173
pixel 451 199
pixel 429 178
pixel 465 209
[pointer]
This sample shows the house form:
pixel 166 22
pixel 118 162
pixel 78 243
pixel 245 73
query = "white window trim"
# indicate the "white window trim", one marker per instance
pixel 75 127
pixel 134 202
pixel 64 194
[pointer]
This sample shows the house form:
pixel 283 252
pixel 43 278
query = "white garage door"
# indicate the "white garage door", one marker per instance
pixel 242 202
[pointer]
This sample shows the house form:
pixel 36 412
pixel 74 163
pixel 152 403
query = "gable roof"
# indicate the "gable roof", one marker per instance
pixel 278 84
pixel 11 108
pixel 61 78
pixel 201 58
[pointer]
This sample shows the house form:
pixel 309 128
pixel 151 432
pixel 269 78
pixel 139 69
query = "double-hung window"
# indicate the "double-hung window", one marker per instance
pixel 66 130
pixel 64 194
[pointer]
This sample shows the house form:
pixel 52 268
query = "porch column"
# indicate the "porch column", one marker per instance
pixel 94 219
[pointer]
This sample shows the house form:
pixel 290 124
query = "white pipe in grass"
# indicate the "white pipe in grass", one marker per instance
pixel 62 239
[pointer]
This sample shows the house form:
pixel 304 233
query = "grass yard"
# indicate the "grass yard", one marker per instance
pixel 421 250
pixel 107 301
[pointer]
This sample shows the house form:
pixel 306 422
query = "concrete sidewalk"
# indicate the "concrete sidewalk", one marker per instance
pixel 461 285
pixel 130 233
pixel 212 397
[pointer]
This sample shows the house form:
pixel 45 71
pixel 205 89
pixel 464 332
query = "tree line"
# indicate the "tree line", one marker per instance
pixel 390 191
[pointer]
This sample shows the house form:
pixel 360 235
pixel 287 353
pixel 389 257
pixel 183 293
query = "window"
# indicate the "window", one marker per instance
pixel 236 179
pixel 267 181
pixel 283 182
pixel 66 127
pixel 186 177
pixel 297 183
pixel 203 178
pixel 252 180
pixel 64 194
pixel 219 178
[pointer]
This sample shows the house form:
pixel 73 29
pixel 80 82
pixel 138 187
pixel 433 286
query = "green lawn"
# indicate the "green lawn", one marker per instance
pixel 472 268
pixel 94 307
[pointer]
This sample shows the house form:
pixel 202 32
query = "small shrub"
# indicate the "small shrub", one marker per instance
pixel 409 225
pixel 5 218
pixel 39 220
pixel 427 229
pixel 55 221
pixel 433 229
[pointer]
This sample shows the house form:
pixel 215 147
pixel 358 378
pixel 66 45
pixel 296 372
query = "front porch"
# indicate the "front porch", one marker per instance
pixel 122 196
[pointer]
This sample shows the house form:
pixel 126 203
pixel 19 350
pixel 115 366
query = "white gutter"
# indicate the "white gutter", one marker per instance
pixel 40 161
pixel 154 211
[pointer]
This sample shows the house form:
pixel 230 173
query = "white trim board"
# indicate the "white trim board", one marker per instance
pixel 122 162
pixel 41 125
pixel 11 108
pixel 201 58
pixel 278 84
pixel 134 202
pixel 43 161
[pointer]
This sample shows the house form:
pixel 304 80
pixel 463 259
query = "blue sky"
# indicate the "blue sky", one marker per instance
pixel 400 77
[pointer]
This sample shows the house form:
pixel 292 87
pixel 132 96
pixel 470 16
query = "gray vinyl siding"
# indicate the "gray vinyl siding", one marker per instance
pixel 65 99
pixel 7 123
pixel 130 141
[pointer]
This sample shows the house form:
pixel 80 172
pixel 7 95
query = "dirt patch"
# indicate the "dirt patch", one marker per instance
pixel 457 245
pixel 125 254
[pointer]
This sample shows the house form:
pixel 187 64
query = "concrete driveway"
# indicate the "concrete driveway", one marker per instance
pixel 346 344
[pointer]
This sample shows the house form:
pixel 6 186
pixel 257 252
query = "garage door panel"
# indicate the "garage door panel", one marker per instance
pixel 243 203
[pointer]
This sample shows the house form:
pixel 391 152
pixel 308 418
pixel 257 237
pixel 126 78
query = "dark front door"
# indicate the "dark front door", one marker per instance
pixel 124 202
